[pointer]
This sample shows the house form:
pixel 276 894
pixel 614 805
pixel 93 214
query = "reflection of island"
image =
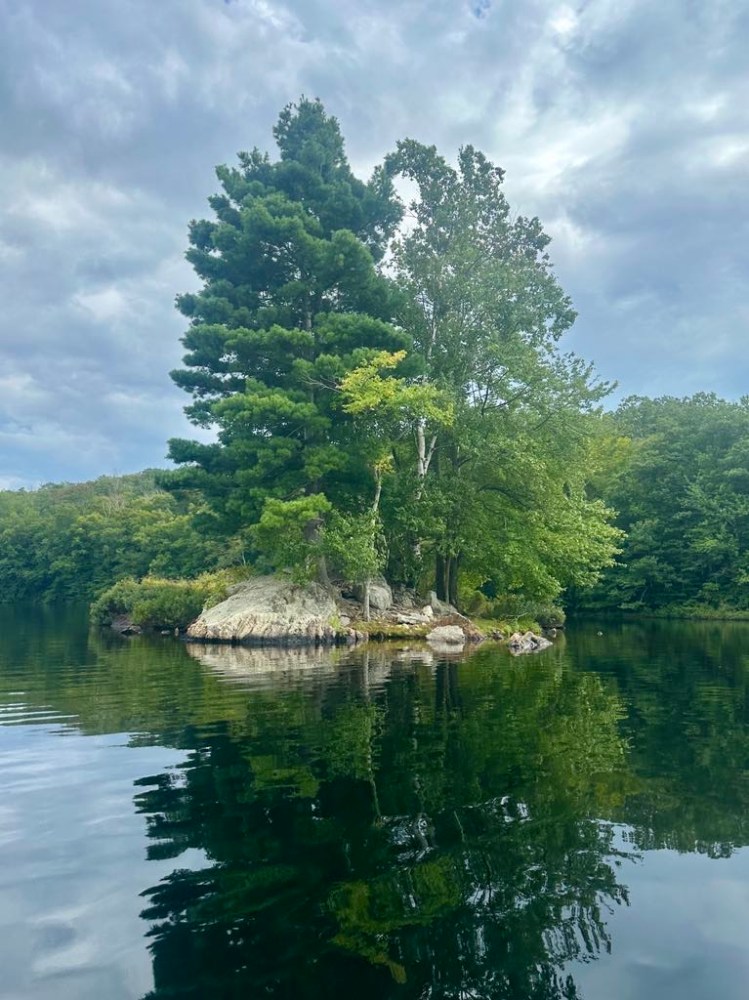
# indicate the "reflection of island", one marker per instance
pixel 433 836
pixel 450 823
pixel 248 662
pixel 256 666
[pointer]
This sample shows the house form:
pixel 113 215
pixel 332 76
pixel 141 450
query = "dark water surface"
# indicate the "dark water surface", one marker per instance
pixel 210 823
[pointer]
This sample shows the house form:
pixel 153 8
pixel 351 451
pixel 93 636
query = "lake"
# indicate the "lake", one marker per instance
pixel 186 821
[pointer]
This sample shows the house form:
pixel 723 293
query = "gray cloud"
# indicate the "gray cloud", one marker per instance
pixel 622 124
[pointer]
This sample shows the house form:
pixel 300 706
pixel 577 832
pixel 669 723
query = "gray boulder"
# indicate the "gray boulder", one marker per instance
pixel 270 610
pixel 447 635
pixel 412 618
pixel 527 642
pixel 404 598
pixel 440 607
pixel 123 625
pixel 380 594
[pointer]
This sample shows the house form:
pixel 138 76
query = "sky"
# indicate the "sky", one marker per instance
pixel 622 124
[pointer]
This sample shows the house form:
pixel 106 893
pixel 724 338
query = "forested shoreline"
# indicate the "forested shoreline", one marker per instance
pixel 385 381
pixel 70 541
pixel 675 470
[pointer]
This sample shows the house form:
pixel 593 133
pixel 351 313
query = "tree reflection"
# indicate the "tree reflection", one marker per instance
pixel 450 823
pixel 434 837
pixel 687 690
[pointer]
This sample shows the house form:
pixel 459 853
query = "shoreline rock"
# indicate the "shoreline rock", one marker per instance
pixel 123 625
pixel 447 635
pixel 273 611
pixel 527 642
pixel 380 594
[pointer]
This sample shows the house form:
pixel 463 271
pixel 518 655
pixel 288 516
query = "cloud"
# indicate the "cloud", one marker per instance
pixel 623 125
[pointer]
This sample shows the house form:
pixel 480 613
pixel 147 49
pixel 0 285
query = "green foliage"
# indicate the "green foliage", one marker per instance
pixel 168 603
pixel 289 534
pixel 154 602
pixel 70 541
pixel 389 398
pixel 477 604
pixel 291 301
pixel 498 491
pixel 681 486
pixel 355 546
pixel 515 608
pixel 115 600
pixel 430 391
pixel 550 616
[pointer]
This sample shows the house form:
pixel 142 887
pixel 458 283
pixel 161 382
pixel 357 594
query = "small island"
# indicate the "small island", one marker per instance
pixel 394 420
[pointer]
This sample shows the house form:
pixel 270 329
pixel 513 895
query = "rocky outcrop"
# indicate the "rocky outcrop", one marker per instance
pixel 271 610
pixel 527 642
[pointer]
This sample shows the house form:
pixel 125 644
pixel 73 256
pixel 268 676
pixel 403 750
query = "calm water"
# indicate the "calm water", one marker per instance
pixel 207 822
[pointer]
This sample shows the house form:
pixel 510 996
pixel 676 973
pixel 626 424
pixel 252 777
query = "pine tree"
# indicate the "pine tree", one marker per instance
pixel 291 301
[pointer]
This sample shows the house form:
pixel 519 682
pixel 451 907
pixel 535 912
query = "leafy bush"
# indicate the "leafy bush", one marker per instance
pixel 549 615
pixel 515 608
pixel 478 605
pixel 154 602
pixel 354 545
pixel 115 600
pixel 511 606
pixel 168 604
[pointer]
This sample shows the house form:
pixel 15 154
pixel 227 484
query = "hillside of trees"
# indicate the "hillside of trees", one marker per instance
pixel 70 541
pixel 389 393
pixel 677 472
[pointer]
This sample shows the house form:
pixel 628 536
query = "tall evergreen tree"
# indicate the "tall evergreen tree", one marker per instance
pixel 291 300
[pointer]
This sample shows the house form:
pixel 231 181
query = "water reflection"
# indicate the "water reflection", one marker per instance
pixel 433 833
pixel 686 686
pixel 385 822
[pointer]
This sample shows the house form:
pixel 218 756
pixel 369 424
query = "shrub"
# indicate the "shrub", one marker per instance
pixel 158 603
pixel 168 603
pixel 510 606
pixel 478 605
pixel 115 600
pixel 549 615
pixel 515 607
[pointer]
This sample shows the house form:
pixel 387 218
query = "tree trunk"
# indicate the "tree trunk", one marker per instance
pixel 366 600
pixel 452 588
pixel 441 577
pixel 424 453
pixel 312 533
pixel 446 578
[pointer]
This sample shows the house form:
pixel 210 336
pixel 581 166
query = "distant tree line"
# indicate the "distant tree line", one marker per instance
pixel 677 472
pixel 70 541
